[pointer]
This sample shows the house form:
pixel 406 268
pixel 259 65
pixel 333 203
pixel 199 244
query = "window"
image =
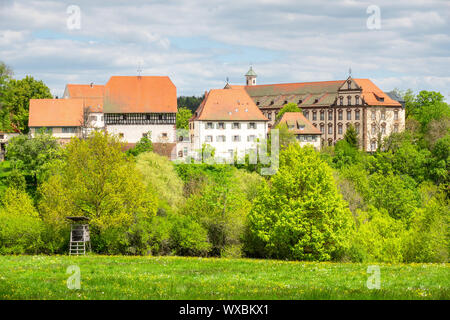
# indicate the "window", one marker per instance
pixel 395 127
pixel 349 100
pixel 120 135
pixel 185 151
pixel 220 125
pixel 220 138
pixel 209 125
pixel 145 135
pixel 374 115
pixel 92 118
pixel 68 130
pixel 383 115
pixel 164 135
pixel 330 129
pixel 257 103
pixel 306 114
pixel 322 116
pixel 160 117
pixel 2 137
pixel 322 128
pixel 349 84
pixel 383 128
pixel 236 138
pixel 395 114
pixel 208 139
pixel 269 116
pixel 357 100
pixel 349 114
pixel 330 115
pixel 300 101
pixel 251 125
pixel 357 115
pixel 314 115
pixel 301 126
pixel 357 128
pixel 251 138
pixel 341 101
pixel 340 129
pixel 374 129
pixel 147 117
pixel 373 145
pixel 236 125
pixel 102 118
pixel 340 115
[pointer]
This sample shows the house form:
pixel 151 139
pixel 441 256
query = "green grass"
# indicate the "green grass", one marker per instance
pixel 123 277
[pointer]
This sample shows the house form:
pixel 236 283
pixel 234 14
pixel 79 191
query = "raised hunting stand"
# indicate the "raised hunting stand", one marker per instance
pixel 80 239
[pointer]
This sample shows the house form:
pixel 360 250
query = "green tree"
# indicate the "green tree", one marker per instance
pixel 183 116
pixel 190 103
pixel 31 156
pixel 143 145
pixel 97 180
pixel 20 224
pixel 351 136
pixel 160 176
pixel 286 137
pixel 289 107
pixel 299 214
pixel 16 102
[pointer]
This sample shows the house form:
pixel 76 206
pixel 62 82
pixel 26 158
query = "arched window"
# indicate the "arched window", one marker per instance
pixel 349 100
pixel 341 101
pixel 357 100
pixel 340 128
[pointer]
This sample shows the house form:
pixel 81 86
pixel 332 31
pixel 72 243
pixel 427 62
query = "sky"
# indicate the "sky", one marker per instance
pixel 402 44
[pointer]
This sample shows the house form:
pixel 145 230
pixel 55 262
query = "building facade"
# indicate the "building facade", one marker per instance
pixel 303 130
pixel 331 106
pixel 229 121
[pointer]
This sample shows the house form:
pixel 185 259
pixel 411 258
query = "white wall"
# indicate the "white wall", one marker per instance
pixel 134 133
pixel 222 148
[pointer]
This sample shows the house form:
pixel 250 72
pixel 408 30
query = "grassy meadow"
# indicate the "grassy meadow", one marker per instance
pixel 132 277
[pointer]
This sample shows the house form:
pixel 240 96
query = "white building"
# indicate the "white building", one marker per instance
pixel 230 122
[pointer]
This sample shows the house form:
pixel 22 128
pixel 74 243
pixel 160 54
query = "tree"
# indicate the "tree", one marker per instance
pixel 428 106
pixel 5 75
pixel 351 136
pixel 286 137
pixel 98 181
pixel 160 176
pixel 190 103
pixel 31 156
pixel 299 214
pixel 290 107
pixel 183 116
pixel 144 145
pixel 16 102
pixel 20 224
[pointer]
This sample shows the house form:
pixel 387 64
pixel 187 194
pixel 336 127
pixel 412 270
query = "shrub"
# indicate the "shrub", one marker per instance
pixel 189 238
pixel 20 225
pixel 300 214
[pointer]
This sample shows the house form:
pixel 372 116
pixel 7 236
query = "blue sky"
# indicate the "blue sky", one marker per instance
pixel 201 43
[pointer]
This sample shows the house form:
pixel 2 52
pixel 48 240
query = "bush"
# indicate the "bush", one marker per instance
pixel 20 225
pixel 189 238
pixel 300 214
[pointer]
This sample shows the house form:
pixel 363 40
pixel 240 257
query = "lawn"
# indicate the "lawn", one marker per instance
pixel 129 277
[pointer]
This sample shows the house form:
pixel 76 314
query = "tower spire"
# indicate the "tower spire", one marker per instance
pixel 250 77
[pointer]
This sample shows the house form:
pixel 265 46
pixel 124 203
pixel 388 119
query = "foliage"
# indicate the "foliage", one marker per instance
pixel 286 137
pixel 351 137
pixel 378 237
pixel 300 214
pixel 183 116
pixel 289 107
pixel 189 238
pixel 16 99
pixel 142 146
pixel 31 156
pixel 20 225
pixel 97 181
pixel 160 176
pixel 345 154
pixel 190 103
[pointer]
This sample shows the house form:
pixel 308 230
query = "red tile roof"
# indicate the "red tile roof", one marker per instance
pixel 85 91
pixel 140 94
pixel 297 119
pixel 370 93
pixel 228 104
pixel 55 112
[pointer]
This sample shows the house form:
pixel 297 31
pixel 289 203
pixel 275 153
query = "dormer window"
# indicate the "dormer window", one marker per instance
pixel 300 101
pixel 285 102
pixel 257 103
pixel 271 102
pixel 316 100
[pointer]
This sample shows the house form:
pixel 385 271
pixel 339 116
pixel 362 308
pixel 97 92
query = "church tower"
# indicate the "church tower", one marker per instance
pixel 250 77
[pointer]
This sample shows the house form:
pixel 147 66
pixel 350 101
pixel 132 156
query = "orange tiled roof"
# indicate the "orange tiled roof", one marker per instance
pixel 144 94
pixel 85 91
pixel 297 119
pixel 370 93
pixel 55 112
pixel 228 104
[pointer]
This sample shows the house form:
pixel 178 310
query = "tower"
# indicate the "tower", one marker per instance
pixel 250 77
